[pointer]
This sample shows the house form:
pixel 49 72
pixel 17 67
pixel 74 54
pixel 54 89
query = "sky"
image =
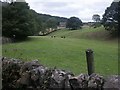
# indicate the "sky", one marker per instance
pixel 83 9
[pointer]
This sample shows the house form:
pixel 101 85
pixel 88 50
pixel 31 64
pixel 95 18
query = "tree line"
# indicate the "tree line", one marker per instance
pixel 110 19
pixel 19 21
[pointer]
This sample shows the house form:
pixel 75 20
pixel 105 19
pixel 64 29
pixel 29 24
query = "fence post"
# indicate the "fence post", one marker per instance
pixel 90 61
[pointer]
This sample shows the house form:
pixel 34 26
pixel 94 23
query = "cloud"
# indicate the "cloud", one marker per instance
pixel 84 9
pixel 54 4
pixel 116 0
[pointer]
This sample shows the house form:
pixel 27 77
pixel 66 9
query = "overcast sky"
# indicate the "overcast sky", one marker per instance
pixel 84 9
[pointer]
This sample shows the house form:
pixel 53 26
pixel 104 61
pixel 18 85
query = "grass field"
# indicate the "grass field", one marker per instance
pixel 68 53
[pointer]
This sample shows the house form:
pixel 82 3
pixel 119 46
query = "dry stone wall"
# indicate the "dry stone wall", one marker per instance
pixel 35 76
pixel 5 40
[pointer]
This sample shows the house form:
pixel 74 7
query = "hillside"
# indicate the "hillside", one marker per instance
pixel 45 17
pixel 86 33
pixel 69 52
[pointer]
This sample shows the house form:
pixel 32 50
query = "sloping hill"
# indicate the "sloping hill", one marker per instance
pixel 68 53
pixel 85 33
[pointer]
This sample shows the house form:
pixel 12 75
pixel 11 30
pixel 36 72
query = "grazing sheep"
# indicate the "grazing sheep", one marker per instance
pixel 62 36
pixel 53 36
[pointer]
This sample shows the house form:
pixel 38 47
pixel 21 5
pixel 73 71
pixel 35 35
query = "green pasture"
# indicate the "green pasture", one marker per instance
pixel 68 53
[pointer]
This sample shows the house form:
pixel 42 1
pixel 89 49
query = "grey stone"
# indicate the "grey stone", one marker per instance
pixel 32 75
pixel 112 82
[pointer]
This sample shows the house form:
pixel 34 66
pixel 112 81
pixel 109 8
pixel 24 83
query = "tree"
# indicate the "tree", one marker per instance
pixel 16 20
pixel 36 22
pixel 118 18
pixel 51 23
pixel 96 18
pixel 20 21
pixel 97 21
pixel 111 18
pixel 74 23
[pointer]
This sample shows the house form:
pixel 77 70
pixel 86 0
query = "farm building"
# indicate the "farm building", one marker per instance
pixel 62 25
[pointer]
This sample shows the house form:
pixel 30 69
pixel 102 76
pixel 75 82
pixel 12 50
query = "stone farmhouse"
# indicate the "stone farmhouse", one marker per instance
pixel 62 25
